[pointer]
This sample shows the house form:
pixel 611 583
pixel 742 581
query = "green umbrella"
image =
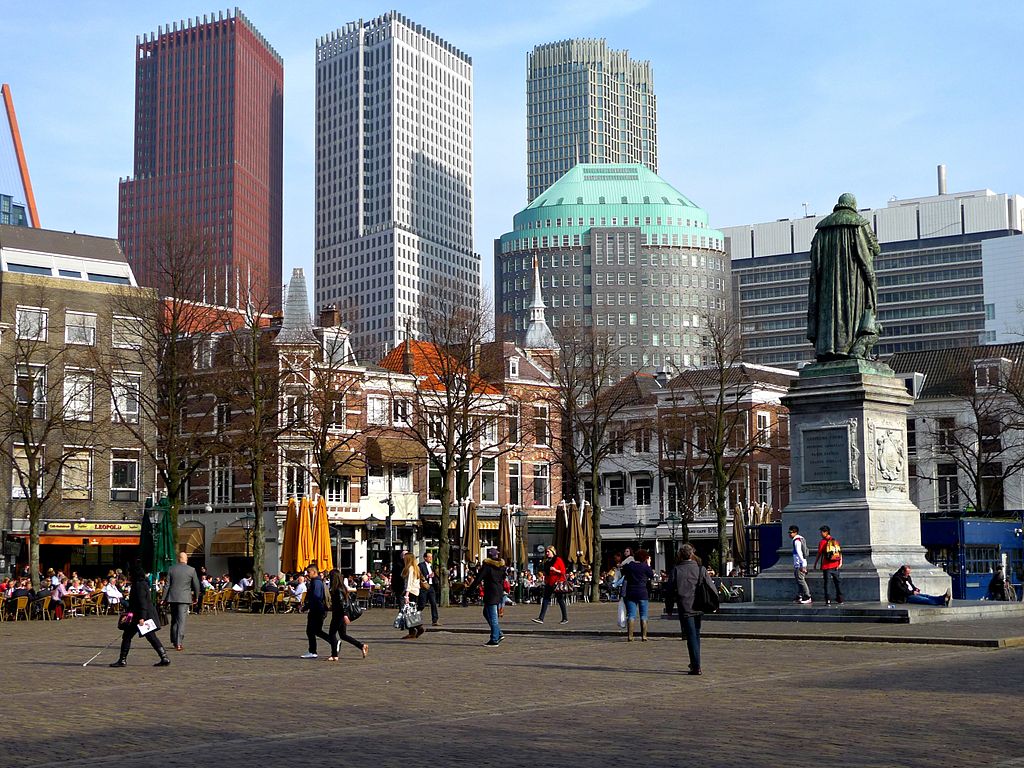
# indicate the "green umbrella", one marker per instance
pixel 146 539
pixel 163 544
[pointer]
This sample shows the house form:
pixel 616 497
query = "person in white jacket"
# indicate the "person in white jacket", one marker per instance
pixel 800 552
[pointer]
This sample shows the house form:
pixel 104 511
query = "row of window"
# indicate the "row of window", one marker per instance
pixel 32 324
pixel 78 393
pixel 77 475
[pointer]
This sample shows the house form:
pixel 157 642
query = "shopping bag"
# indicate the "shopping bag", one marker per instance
pixel 622 613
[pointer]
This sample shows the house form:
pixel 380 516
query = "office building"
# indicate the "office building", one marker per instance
pixel 209 117
pixel 394 176
pixel 17 203
pixel 621 250
pixel 586 103
pixel 933 284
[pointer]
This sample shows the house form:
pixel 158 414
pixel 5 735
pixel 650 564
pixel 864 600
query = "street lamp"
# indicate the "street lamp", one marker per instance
pixel 248 524
pixel 673 521
pixel 522 522
pixel 639 527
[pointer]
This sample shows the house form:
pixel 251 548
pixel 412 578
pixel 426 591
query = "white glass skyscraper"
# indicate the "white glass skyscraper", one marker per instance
pixel 394 175
pixel 586 103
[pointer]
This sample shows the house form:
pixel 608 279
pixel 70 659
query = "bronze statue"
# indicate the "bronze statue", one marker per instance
pixel 842 298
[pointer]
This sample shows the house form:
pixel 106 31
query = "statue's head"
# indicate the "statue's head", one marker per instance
pixel 846 200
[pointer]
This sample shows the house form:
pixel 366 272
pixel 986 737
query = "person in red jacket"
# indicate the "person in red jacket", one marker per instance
pixel 831 556
pixel 553 568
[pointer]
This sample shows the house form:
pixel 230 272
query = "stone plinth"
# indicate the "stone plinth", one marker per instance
pixel 848 435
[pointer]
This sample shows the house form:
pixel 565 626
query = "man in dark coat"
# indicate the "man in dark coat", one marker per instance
pixel 140 605
pixel 842 297
pixel 183 588
pixel 492 575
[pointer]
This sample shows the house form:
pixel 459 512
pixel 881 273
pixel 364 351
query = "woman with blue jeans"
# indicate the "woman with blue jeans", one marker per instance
pixel 492 576
pixel 688 573
pixel 637 575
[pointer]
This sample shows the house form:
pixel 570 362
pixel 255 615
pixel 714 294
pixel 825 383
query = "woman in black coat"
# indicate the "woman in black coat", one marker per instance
pixel 141 607
pixel 688 574
pixel 339 618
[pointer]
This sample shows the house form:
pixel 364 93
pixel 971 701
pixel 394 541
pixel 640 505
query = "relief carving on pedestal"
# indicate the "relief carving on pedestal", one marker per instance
pixel 889 462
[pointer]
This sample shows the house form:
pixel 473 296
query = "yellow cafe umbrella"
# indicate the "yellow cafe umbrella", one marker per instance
pixel 288 546
pixel 304 538
pixel 322 554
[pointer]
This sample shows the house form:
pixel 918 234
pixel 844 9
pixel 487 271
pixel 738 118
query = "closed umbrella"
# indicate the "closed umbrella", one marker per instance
pixel 561 543
pixel 291 521
pixel 163 545
pixel 739 536
pixel 322 554
pixel 471 534
pixel 506 536
pixel 522 540
pixel 575 534
pixel 146 541
pixel 588 532
pixel 304 537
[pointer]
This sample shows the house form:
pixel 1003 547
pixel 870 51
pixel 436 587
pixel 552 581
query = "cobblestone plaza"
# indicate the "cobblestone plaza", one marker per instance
pixel 239 695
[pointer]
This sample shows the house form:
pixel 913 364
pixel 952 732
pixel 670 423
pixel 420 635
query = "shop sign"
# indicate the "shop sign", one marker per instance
pixel 95 527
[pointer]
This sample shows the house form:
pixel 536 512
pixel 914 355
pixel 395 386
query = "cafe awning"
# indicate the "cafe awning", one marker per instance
pixel 191 539
pixel 229 542
pixel 72 540
pixel 394 450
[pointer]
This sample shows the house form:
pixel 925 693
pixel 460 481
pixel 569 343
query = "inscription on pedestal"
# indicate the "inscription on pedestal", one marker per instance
pixel 829 456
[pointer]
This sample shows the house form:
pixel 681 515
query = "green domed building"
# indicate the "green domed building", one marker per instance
pixel 621 250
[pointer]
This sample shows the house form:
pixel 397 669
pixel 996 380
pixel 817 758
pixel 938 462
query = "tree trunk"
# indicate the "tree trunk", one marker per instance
pixel 258 530
pixel 595 554
pixel 443 543
pixel 721 509
pixel 35 508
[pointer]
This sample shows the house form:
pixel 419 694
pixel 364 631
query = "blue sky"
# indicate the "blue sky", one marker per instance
pixel 762 106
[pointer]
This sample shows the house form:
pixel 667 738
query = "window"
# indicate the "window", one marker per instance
pixel 911 437
pixel 400 412
pixel 337 412
pixel 202 353
pixel 124 475
pixel 514 483
pixel 222 482
pixel 642 441
pixel 377 409
pixel 949 493
pixel 764 432
pixel 32 389
pixel 337 491
pixel 540 425
pixel 294 410
pixel 401 478
pixel 992 487
pixel 513 423
pixel 616 491
pixel 20 471
pixel 124 401
pixel 764 484
pixel 616 439
pixel 489 433
pixel 222 417
pixel 982 559
pixel 489 481
pixel 434 483
pixel 435 430
pixel 77 395
pixel 989 430
pixel 513 367
pixel 125 333
pixel 75 476
pixel 541 485
pixel 946 431
pixel 79 328
pixel 31 323
pixel 642 489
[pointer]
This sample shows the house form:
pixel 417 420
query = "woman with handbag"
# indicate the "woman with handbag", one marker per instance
pixel 688 575
pixel 411 582
pixel 341 606
pixel 140 608
pixel 555 584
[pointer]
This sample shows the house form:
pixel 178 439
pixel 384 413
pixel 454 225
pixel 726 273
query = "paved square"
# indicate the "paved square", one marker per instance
pixel 239 695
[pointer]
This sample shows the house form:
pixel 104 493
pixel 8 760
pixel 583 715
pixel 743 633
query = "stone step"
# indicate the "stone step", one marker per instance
pixel 868 613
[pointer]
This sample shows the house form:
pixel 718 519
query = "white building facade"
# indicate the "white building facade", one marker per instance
pixel 394 175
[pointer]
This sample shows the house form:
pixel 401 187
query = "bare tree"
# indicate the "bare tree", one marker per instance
pixel 48 419
pixel 982 438
pixel 456 415
pixel 717 440
pixel 156 369
pixel 593 412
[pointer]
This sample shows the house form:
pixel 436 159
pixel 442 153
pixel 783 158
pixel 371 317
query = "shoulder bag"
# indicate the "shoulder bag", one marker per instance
pixel 126 621
pixel 705 596
pixel 352 610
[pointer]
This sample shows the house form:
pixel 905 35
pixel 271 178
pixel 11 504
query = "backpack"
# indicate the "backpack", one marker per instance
pixel 803 546
pixel 833 551
pixel 327 597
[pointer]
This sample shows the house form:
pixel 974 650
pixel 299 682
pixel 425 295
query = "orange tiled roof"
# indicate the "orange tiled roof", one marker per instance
pixel 430 365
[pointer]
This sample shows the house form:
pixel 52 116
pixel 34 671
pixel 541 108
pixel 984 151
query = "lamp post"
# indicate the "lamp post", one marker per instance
pixel 673 521
pixel 639 527
pixel 520 518
pixel 248 524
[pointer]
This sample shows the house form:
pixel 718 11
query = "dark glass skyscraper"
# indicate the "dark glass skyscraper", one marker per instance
pixel 209 115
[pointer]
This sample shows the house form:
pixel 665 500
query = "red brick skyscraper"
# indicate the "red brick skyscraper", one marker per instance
pixel 209 115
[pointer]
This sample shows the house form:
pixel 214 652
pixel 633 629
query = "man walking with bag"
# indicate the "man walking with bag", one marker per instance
pixel 316 605
pixel 183 588
pixel 800 553
pixel 428 588
pixel 831 556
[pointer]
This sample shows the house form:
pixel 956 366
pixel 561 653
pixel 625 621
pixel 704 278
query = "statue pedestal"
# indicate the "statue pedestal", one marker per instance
pixel 848 434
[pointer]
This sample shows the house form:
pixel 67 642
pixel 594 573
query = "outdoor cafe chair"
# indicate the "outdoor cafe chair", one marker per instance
pixel 20 607
pixel 95 603
pixel 209 602
pixel 363 597
pixel 270 601
pixel 41 608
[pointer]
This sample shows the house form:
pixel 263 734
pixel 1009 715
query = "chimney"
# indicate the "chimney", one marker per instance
pixel 330 317
pixel 942 179
pixel 407 359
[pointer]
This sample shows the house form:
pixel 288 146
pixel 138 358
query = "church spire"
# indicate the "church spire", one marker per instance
pixel 538 334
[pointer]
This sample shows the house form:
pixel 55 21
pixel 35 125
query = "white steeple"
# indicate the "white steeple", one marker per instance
pixel 538 334
pixel 296 326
